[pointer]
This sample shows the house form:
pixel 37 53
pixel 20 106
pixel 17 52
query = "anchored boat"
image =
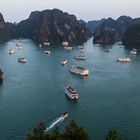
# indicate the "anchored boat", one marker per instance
pixel 79 70
pixel 81 47
pixel 134 51
pixel 68 48
pixel 18 44
pixel 80 57
pixel 65 43
pixel 71 93
pixel 11 51
pixel 107 50
pixel 46 43
pixel 124 59
pixel 47 51
pixel 64 61
pixel 22 60
pixel 20 48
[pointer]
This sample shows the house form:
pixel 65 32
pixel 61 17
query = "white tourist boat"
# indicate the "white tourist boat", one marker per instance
pixel 65 43
pixel 64 61
pixel 47 51
pixel 80 57
pixel 46 43
pixel 68 48
pixel 20 48
pixel 107 50
pixel 40 45
pixel 81 47
pixel 134 51
pixel 122 46
pixel 79 70
pixel 81 51
pixel 71 92
pixel 124 59
pixel 11 51
pixel 18 44
pixel 22 59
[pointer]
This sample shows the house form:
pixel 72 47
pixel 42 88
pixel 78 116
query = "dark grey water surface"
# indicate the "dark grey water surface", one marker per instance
pixel 32 92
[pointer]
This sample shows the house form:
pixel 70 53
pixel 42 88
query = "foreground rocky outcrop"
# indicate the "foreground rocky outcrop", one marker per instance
pixel 1 75
pixel 111 31
pixel 4 30
pixel 54 26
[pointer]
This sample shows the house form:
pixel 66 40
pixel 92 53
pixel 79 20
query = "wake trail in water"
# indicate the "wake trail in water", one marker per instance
pixel 55 122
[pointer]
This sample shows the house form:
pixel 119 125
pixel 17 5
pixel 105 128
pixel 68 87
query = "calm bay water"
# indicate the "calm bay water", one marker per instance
pixel 32 92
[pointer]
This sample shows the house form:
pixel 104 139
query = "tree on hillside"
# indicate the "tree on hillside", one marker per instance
pixel 113 135
pixel 72 132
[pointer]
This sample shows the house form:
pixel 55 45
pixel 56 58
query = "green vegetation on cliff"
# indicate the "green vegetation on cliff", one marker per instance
pixel 72 132
pixel 131 37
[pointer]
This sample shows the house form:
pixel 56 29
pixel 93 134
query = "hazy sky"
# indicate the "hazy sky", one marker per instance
pixel 16 10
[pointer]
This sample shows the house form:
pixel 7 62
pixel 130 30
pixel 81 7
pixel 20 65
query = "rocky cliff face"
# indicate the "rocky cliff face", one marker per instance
pixel 52 26
pixel 4 31
pixel 111 30
pixel 131 38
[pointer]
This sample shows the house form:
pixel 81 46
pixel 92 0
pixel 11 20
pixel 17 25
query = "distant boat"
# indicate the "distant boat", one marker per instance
pixel 107 50
pixel 18 44
pixel 80 47
pixel 40 45
pixel 68 48
pixel 80 57
pixel 71 92
pixel 122 46
pixel 65 43
pixel 46 43
pixel 81 51
pixel 20 48
pixel 11 51
pixel 124 59
pixel 22 60
pixel 79 70
pixel 64 61
pixel 47 51
pixel 134 51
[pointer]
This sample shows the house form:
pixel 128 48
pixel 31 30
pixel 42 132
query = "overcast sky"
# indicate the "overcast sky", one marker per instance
pixel 17 10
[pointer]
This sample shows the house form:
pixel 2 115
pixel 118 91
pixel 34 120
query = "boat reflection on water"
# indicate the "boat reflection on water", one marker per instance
pixel 85 77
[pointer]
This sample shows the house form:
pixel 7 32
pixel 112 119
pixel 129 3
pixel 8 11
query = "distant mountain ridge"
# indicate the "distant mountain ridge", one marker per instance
pixel 111 30
pixel 54 26
pixel 93 24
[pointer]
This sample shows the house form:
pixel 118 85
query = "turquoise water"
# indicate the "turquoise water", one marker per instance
pixel 32 92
